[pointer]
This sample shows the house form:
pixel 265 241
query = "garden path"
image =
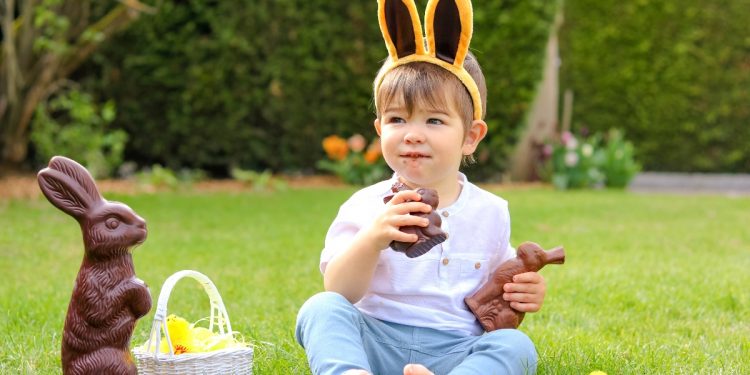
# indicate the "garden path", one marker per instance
pixel 729 184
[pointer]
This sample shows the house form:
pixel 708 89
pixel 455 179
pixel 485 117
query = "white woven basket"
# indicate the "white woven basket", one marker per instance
pixel 236 361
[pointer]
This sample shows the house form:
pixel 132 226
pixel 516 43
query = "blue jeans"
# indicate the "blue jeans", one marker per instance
pixel 338 337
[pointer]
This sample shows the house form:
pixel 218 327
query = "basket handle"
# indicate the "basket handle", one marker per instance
pixel 218 310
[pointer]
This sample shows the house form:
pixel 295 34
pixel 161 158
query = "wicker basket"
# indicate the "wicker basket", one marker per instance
pixel 238 361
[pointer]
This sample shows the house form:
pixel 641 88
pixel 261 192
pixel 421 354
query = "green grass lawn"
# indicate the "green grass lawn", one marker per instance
pixel 652 283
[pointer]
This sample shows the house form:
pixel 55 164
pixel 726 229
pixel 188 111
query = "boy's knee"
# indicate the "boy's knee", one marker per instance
pixel 514 341
pixel 322 303
pixel 321 307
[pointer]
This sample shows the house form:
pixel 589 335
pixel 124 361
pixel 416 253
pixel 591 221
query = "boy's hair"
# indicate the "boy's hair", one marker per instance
pixel 426 84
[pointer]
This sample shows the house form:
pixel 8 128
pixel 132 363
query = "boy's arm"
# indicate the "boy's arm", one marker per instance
pixel 350 272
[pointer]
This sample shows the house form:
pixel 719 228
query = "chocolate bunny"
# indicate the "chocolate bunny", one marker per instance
pixel 427 237
pixel 487 303
pixel 107 297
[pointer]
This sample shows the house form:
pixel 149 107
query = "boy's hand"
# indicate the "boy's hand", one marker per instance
pixel 526 292
pixel 385 228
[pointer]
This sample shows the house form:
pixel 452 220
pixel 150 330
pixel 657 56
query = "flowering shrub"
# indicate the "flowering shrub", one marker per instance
pixel 589 162
pixel 353 160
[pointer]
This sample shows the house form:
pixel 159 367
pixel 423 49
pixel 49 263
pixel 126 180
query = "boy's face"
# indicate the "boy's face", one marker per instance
pixel 426 147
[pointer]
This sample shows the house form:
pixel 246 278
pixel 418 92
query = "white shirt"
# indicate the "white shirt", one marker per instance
pixel 429 291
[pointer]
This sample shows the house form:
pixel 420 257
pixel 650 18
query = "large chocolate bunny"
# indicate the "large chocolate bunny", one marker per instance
pixel 487 303
pixel 427 237
pixel 107 297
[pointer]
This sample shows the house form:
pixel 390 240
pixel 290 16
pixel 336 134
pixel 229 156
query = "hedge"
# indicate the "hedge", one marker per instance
pixel 674 74
pixel 258 84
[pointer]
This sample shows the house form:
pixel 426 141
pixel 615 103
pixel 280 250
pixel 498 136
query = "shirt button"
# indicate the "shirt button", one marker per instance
pixel 445 261
pixel 477 265
pixel 445 214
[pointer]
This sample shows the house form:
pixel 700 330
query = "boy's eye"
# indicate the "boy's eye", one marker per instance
pixel 396 120
pixel 435 121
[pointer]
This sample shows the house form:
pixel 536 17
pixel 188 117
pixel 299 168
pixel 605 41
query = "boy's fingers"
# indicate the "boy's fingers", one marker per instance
pixel 521 297
pixel 532 297
pixel 528 277
pixel 404 237
pixel 404 220
pixel 409 207
pixel 405 196
pixel 525 307
pixel 520 288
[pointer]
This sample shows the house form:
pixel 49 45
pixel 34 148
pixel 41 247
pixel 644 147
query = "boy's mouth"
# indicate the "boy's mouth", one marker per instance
pixel 414 155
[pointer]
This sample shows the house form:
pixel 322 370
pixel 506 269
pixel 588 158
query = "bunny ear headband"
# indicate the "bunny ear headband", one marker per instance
pixel 448 25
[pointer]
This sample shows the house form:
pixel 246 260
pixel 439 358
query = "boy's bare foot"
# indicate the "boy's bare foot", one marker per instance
pixel 413 369
pixel 356 372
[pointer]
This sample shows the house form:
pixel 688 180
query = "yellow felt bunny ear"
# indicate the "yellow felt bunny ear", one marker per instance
pixel 449 26
pixel 399 23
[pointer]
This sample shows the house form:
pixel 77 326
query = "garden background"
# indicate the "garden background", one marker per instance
pixel 171 93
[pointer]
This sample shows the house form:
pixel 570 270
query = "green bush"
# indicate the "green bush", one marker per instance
pixel 258 84
pixel 618 164
pixel 260 181
pixel 674 74
pixel 72 124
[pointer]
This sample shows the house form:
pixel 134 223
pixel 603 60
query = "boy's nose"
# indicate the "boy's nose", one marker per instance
pixel 413 137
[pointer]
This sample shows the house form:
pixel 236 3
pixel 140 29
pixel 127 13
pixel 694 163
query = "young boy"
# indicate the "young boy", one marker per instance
pixel 385 313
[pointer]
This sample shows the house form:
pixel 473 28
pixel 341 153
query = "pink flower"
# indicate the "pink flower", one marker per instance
pixel 357 143
pixel 571 159
pixel 547 151
pixel 565 137
pixel 569 140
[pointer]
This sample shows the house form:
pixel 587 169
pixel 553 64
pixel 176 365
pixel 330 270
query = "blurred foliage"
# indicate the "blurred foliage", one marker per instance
pixel 619 165
pixel 260 181
pixel 258 84
pixel 589 161
pixel 673 74
pixel 72 124
pixel 158 177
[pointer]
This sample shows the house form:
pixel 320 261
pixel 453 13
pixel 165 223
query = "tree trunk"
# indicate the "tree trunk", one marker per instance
pixel 28 77
pixel 541 122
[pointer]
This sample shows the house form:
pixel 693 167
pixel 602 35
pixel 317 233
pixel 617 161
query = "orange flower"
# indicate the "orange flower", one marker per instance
pixel 335 147
pixel 371 156
pixel 373 152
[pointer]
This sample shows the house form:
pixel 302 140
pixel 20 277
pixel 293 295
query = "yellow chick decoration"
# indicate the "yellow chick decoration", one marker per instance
pixel 187 338
pixel 181 334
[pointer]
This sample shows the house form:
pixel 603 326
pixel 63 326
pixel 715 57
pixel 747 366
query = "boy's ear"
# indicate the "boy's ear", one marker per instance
pixel 476 133
pixel 376 123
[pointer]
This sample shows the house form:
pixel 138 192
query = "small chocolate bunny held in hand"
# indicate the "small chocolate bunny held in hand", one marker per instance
pixel 427 237
pixel 107 298
pixel 487 303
